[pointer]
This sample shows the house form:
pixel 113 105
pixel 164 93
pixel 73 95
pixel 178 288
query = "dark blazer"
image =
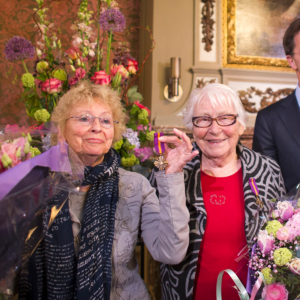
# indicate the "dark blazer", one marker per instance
pixel 277 134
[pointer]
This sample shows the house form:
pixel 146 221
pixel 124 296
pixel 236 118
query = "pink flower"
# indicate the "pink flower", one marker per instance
pixel 141 106
pixel 119 69
pixel 101 78
pixel 132 66
pixel 10 149
pixel 73 81
pixel 294 221
pixel 265 242
pixel 275 214
pixel 20 142
pixel 275 291
pixel 143 153
pixel 72 53
pixel 285 233
pixel 285 210
pixel 51 86
pixel 79 73
pixel 140 127
pixel 297 210
pixel 13 128
pixel 294 265
pixel 77 42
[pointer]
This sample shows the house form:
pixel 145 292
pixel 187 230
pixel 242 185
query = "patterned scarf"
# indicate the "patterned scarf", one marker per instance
pixel 53 272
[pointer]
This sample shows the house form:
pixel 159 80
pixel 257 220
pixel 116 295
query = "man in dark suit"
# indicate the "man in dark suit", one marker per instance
pixel 277 127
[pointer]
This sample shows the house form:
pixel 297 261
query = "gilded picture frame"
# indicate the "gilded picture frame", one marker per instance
pixel 230 56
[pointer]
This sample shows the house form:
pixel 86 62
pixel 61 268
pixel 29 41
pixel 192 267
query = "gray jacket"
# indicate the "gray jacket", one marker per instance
pixel 163 224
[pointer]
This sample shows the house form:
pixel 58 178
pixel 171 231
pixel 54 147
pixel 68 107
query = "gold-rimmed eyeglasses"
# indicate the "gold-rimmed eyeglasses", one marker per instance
pixel 87 120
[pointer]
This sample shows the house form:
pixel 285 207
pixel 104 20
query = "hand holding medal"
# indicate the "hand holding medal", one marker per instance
pixel 173 160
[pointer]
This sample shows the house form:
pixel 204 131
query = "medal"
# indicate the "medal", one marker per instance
pixel 255 191
pixel 160 163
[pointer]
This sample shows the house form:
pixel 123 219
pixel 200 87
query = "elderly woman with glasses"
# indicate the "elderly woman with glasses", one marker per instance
pixel 90 252
pixel 225 214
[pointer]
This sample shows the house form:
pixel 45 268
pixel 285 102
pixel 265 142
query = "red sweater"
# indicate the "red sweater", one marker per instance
pixel 224 236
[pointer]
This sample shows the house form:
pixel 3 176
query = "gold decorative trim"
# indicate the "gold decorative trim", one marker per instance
pixel 229 57
pixel 208 23
pixel 201 83
pixel 268 97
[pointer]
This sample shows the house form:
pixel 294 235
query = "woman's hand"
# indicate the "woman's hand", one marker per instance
pixel 181 154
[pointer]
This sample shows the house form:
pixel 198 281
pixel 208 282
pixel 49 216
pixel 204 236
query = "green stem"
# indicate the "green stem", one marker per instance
pixel 25 66
pixel 108 51
pixel 98 38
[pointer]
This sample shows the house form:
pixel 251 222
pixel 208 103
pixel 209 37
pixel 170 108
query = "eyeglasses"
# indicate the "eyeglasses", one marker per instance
pixel 87 120
pixel 225 120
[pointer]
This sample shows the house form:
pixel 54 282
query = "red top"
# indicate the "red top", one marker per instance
pixel 224 236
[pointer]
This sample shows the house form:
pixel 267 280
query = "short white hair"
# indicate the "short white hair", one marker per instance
pixel 216 93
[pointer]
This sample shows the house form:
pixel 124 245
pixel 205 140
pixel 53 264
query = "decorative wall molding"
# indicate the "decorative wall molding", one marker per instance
pixel 267 97
pixel 201 83
pixel 208 22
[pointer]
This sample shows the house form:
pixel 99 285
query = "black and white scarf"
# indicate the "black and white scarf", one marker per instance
pixel 178 280
pixel 53 271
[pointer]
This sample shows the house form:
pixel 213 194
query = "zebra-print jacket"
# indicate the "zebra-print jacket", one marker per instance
pixel 178 280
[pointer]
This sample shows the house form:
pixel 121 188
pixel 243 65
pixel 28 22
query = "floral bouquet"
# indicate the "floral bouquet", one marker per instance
pixel 15 150
pixel 27 191
pixel 276 255
pixel 93 54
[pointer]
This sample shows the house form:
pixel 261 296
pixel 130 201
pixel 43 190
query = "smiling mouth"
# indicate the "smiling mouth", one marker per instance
pixel 95 141
pixel 216 141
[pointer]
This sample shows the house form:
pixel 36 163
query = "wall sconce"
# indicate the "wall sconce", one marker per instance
pixel 173 91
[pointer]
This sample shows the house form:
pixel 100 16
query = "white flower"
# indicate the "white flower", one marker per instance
pixel 77 42
pixel 132 137
pixel 93 45
pixel 74 27
pixel 41 45
pixel 91 53
pixel 38 52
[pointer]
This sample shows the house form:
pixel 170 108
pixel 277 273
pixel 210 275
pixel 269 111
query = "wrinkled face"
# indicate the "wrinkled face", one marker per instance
pixel 92 140
pixel 216 142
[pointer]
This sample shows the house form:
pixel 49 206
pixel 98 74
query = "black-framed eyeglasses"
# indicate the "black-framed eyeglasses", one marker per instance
pixel 87 120
pixel 224 120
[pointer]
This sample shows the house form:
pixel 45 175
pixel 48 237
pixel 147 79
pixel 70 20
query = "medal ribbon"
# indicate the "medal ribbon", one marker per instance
pixel 253 186
pixel 255 191
pixel 159 146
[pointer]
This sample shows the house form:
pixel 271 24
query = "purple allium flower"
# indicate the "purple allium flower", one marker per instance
pixel 112 20
pixel 19 48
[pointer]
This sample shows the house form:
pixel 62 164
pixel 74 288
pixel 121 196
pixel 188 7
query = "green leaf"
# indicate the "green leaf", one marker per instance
pixel 132 126
pixel 135 109
pixel 42 77
pixel 132 90
pixel 136 96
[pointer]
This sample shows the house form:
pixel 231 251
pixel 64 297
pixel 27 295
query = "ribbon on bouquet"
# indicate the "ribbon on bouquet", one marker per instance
pixel 241 289
pixel 160 163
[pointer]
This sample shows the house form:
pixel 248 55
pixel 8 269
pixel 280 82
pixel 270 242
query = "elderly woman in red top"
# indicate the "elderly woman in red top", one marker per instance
pixel 224 213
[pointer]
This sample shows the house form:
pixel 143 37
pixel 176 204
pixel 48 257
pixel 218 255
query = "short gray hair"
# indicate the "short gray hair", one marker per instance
pixel 216 93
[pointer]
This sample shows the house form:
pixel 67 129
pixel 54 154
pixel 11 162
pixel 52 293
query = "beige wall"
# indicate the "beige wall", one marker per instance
pixel 172 24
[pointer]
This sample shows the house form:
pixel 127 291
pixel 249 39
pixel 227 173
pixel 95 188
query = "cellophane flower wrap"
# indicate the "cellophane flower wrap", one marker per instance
pixel 26 195
pixel 96 52
pixel 277 251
